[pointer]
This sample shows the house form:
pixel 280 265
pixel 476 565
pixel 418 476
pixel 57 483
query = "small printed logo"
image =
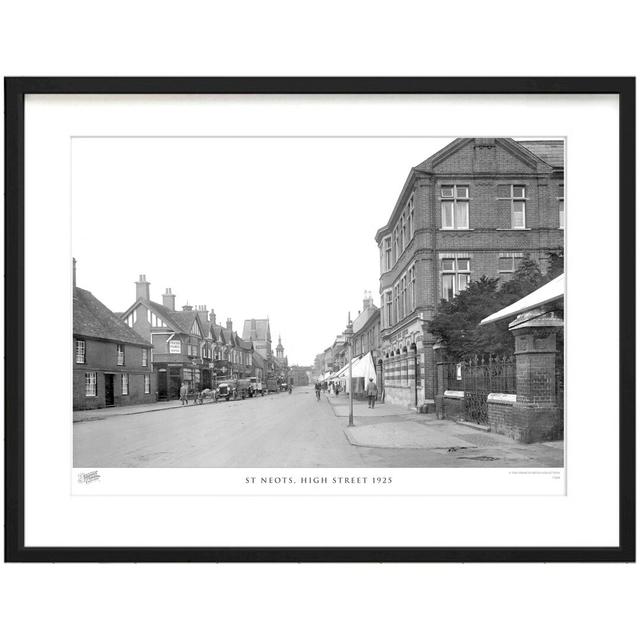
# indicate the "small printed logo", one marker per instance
pixel 86 478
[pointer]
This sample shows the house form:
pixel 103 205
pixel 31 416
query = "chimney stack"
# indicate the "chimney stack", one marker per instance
pixel 142 288
pixel 367 300
pixel 169 299
pixel 187 307
pixel 202 312
pixel 212 317
pixel 229 324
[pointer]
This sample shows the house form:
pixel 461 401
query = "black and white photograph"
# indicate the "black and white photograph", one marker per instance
pixel 318 301
pixel 363 318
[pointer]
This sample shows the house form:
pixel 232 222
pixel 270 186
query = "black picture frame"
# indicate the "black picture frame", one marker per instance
pixel 15 91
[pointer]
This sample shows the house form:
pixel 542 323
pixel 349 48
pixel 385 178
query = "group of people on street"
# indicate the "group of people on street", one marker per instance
pixel 335 387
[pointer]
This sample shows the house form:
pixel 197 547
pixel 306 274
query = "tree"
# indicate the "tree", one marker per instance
pixel 456 323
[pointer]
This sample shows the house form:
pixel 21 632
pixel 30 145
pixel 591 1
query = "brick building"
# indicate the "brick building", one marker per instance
pixel 476 207
pixel 299 376
pixel 181 349
pixel 111 362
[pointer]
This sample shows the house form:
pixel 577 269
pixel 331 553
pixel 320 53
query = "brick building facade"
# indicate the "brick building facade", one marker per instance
pixel 181 350
pixel 476 207
pixel 111 362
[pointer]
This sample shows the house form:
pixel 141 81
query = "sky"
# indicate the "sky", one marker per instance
pixel 250 227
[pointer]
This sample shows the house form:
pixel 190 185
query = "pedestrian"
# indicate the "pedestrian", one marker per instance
pixel 317 391
pixel 372 392
pixel 183 394
pixel 336 388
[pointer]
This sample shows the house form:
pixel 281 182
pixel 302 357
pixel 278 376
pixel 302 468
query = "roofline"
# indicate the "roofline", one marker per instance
pixel 141 343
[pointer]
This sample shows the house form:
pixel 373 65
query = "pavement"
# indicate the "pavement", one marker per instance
pixel 109 412
pixel 412 430
pixel 290 430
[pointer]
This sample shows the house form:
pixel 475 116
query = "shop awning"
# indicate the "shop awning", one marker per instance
pixel 547 293
pixel 363 368
pixel 344 372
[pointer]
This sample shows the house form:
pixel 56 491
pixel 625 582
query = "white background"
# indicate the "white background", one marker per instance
pixel 586 516
pixel 318 601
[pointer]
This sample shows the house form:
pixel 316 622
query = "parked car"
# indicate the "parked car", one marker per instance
pixel 228 390
pixel 257 388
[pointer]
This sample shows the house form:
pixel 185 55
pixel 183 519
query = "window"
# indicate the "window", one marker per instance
pixel 410 208
pixel 90 384
pixel 455 206
pixel 396 303
pixel 517 214
pixel 120 354
pixel 124 380
pixel 412 288
pixel 517 193
pixel 147 383
pixel 508 263
pixel 81 352
pixel 131 319
pixel 387 253
pixel 456 275
pixel 403 296
pixel 561 213
pixel 145 357
pixel 403 232
pixel 154 321
pixel 388 305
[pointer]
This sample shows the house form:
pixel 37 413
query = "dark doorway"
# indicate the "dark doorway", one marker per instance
pixel 206 379
pixel 174 383
pixel 108 389
pixel 162 385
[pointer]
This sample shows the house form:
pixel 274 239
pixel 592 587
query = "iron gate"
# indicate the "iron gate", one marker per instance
pixel 478 377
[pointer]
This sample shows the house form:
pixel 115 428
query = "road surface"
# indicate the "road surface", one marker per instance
pixel 279 430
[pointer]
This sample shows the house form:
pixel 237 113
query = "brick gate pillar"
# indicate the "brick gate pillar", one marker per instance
pixel 537 415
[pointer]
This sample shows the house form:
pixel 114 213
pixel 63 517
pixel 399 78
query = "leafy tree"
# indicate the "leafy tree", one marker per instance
pixel 456 322
pixel 555 264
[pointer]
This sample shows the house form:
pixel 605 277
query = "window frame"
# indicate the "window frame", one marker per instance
pixel 455 199
pixel 84 351
pixel 120 361
pixel 88 376
pixel 124 388
pixel 455 275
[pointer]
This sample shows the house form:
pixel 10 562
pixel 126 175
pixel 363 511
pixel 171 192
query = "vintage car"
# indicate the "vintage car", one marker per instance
pixel 228 390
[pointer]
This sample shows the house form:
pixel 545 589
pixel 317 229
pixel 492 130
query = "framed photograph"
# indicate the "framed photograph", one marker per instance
pixel 320 319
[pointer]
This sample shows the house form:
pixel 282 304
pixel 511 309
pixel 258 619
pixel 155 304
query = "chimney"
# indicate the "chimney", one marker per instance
pixel 367 300
pixel 142 288
pixel 229 324
pixel 187 307
pixel 212 317
pixel 74 273
pixel 169 299
pixel 202 312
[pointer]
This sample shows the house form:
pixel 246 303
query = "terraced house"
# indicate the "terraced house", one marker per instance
pixel 111 362
pixel 476 207
pixel 181 350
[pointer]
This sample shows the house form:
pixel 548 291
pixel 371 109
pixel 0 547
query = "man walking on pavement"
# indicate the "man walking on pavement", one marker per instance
pixel 372 392
pixel 183 394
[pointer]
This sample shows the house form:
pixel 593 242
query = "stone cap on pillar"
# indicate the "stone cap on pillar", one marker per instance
pixel 536 319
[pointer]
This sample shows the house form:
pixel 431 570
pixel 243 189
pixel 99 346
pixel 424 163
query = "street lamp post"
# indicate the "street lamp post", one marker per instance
pixel 348 334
